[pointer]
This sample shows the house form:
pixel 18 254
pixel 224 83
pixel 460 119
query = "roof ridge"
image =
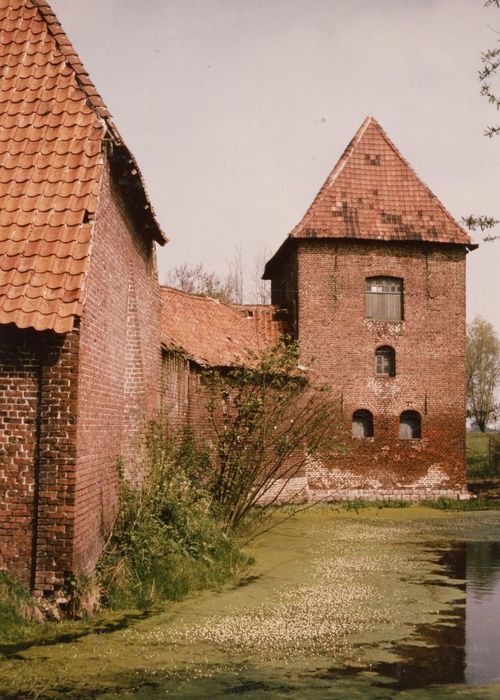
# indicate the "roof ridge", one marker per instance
pixel 398 153
pixel 95 101
pixel 337 169
pixel 196 296
pixel 70 54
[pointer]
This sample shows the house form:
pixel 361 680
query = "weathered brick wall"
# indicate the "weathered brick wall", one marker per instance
pixel 430 363
pixel 284 292
pixel 184 397
pixel 19 388
pixel 185 402
pixel 175 383
pixel 119 372
pixel 37 453
pixel 55 497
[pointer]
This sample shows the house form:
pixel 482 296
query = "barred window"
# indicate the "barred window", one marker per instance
pixel 385 361
pixel 410 425
pixel 384 298
pixel 362 424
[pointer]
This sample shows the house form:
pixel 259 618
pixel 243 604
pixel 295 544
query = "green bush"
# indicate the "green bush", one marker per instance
pixel 167 539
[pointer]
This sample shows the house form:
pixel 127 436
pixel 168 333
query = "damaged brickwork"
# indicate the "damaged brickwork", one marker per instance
pixel 327 275
pixel 80 354
pixel 82 342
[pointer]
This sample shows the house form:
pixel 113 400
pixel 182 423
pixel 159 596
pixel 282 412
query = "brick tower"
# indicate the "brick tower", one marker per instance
pixel 373 281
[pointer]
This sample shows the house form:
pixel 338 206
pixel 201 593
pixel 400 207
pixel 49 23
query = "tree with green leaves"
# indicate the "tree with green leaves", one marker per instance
pixel 483 372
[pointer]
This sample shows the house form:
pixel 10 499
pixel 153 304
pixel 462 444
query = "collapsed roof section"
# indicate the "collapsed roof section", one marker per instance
pixel 213 333
pixel 55 133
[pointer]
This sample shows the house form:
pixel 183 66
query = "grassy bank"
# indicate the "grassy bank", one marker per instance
pixel 168 540
pixel 482 460
pixel 14 606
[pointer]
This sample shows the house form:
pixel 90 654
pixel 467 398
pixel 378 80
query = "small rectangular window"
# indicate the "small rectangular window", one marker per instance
pixel 384 298
pixel 410 425
pixel 385 361
pixel 362 424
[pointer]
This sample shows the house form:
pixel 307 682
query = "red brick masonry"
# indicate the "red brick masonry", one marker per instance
pixel 374 217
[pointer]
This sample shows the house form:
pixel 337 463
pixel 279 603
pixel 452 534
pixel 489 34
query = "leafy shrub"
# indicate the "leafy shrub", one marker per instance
pixel 167 539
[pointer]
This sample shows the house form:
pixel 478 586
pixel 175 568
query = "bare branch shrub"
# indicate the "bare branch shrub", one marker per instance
pixel 268 423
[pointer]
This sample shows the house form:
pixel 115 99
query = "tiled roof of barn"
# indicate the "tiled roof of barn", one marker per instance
pixel 216 334
pixel 53 127
pixel 373 193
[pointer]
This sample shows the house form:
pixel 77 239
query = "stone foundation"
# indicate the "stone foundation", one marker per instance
pixel 299 490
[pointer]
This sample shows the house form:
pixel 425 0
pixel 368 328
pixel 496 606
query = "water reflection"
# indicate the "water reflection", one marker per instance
pixel 483 567
pixel 341 607
pixel 482 630
pixel 464 646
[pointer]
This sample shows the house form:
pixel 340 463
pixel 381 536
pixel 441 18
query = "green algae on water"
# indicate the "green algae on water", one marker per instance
pixel 338 604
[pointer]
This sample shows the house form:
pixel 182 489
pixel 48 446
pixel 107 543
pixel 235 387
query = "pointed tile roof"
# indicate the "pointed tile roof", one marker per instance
pixel 53 133
pixel 213 333
pixel 373 193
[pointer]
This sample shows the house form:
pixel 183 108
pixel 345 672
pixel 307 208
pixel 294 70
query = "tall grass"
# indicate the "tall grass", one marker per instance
pixel 15 608
pixel 168 538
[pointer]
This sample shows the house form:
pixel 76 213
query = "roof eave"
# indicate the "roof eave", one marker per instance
pixel 285 247
pixel 172 347
pixel 277 257
pixel 202 364
pixel 129 179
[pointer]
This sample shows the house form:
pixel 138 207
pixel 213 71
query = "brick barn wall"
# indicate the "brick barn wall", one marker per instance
pixel 119 373
pixel 19 372
pixel 37 451
pixel 430 362
pixel 56 482
pixel 175 382
pixel 284 292
pixel 184 398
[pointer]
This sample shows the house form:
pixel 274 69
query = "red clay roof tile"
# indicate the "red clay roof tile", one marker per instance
pixel 373 193
pixel 213 333
pixel 52 127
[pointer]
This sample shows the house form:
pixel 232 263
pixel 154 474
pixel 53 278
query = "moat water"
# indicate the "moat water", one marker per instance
pixel 376 604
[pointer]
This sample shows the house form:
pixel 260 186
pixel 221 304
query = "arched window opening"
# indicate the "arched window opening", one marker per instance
pixel 362 424
pixel 385 361
pixel 410 425
pixel 384 298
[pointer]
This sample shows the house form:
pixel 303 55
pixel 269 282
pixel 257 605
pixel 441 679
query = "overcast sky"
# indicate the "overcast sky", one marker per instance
pixel 237 110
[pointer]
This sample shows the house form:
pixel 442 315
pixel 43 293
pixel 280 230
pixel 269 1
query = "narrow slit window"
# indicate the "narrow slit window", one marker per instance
pixel 410 425
pixel 362 424
pixel 385 361
pixel 384 298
